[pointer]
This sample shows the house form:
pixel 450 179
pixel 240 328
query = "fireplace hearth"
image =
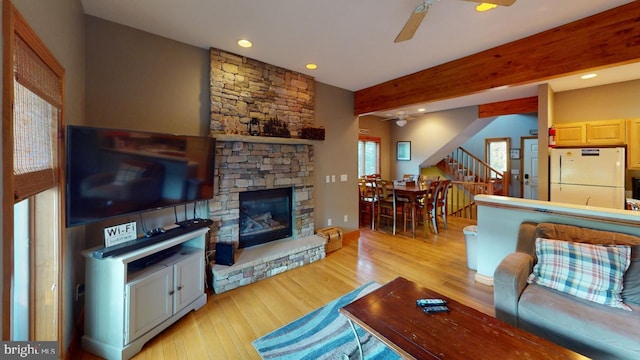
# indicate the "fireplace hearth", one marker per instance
pixel 265 215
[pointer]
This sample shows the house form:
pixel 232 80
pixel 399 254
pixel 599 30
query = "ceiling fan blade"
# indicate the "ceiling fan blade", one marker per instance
pixel 411 26
pixel 497 2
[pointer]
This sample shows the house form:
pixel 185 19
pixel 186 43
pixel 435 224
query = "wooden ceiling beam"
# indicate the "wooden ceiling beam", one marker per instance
pixel 602 40
pixel 509 107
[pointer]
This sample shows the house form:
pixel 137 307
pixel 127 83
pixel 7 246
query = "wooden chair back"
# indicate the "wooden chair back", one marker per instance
pixel 384 190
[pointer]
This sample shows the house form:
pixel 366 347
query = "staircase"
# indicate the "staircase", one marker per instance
pixel 471 176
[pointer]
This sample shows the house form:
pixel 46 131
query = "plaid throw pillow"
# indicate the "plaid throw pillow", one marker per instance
pixel 590 272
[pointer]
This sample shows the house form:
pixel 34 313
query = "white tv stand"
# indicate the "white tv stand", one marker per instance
pixel 127 302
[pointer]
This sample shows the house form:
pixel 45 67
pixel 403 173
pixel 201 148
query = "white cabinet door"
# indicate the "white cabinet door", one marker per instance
pixel 149 302
pixel 189 279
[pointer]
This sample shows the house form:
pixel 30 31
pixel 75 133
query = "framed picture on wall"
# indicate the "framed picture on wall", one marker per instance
pixel 403 150
pixel 514 153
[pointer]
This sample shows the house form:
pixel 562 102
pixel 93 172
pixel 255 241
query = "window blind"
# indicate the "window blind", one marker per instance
pixel 38 99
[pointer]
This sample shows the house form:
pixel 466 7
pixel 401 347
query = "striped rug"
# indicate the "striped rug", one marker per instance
pixel 323 334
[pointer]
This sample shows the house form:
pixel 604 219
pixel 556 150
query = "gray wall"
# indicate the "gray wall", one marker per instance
pixel 137 80
pixel 336 155
pixel 140 81
pixel 614 101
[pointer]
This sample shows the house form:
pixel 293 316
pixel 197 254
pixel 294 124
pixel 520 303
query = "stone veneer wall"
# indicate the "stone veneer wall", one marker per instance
pixel 245 166
pixel 242 88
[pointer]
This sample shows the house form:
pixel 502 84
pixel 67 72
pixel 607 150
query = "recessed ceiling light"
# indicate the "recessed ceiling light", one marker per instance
pixel 485 7
pixel 588 76
pixel 311 66
pixel 245 43
pixel 422 110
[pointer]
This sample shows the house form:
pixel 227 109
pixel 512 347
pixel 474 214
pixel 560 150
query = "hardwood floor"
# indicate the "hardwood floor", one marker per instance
pixel 225 327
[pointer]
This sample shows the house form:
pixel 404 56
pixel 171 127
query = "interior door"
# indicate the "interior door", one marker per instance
pixel 530 168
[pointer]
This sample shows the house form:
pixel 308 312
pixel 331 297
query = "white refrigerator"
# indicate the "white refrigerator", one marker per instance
pixel 588 176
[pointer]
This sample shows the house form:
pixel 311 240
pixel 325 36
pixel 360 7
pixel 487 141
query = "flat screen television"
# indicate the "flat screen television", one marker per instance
pixel 112 172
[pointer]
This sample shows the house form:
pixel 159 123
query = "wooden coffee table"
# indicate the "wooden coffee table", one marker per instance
pixel 390 314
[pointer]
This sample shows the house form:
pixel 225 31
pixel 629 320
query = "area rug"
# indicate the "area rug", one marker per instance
pixel 323 334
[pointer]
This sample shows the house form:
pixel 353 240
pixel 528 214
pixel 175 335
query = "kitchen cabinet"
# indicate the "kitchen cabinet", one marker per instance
pixel 633 144
pixel 591 133
pixel 130 298
pixel 570 134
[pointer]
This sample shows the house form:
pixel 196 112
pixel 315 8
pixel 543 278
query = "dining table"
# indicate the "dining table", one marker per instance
pixel 413 192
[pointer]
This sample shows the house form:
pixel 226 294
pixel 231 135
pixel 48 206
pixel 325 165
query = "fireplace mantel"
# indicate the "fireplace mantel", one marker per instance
pixel 263 139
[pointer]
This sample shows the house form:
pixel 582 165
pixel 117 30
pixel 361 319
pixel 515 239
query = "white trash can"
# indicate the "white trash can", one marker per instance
pixel 470 238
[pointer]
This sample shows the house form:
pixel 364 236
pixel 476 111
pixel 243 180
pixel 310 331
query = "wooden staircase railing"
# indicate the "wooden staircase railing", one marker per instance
pixel 471 176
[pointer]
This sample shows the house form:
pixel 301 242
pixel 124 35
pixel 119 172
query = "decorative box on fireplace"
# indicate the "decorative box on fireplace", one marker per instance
pixel 333 234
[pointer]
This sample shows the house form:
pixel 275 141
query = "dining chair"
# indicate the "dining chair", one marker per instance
pixel 386 202
pixel 401 200
pixel 367 201
pixel 441 200
pixel 430 206
pixel 408 207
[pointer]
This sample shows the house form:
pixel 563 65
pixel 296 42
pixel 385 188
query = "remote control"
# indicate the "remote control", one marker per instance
pixel 430 302
pixel 435 309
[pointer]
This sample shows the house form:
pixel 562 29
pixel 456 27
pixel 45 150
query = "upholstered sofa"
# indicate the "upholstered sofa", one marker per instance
pixel 597 330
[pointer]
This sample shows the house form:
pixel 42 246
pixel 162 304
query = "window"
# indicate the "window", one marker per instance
pixel 368 155
pixel 33 108
pixel 497 153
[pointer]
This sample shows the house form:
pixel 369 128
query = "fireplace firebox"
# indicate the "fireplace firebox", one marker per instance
pixel 265 215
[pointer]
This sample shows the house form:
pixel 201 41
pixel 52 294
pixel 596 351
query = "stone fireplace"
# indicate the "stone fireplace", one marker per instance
pixel 251 166
pixel 243 91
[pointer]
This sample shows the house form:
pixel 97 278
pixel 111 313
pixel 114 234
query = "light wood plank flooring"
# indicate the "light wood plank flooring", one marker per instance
pixel 225 327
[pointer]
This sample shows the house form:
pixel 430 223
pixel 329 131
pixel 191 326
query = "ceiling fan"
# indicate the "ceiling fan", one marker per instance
pixel 401 119
pixel 411 26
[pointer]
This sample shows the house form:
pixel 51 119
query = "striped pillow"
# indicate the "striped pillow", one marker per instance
pixel 591 272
